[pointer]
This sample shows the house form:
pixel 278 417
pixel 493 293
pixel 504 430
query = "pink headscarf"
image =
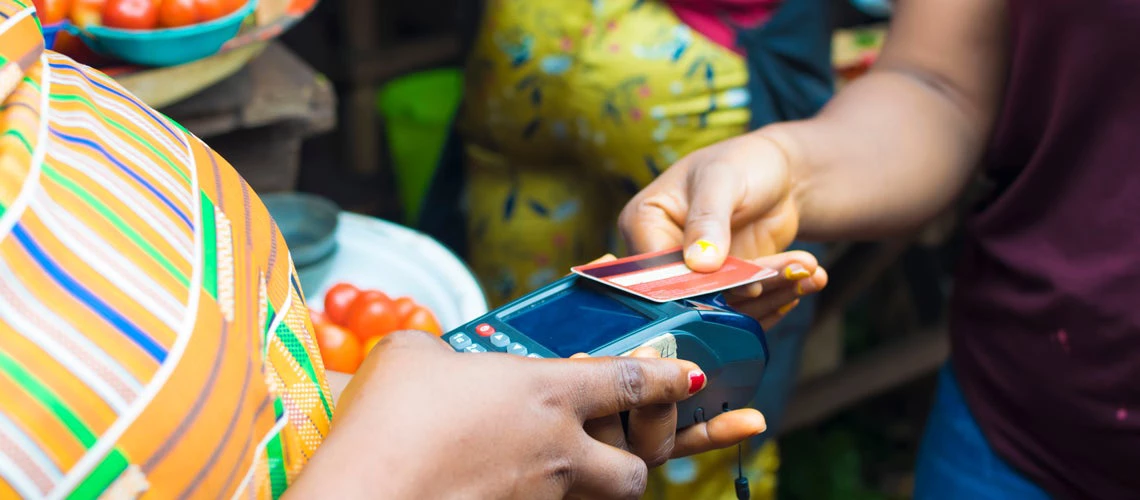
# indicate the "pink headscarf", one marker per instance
pixel 707 16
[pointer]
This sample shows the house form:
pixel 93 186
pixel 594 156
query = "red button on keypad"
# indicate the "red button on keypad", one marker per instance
pixel 485 330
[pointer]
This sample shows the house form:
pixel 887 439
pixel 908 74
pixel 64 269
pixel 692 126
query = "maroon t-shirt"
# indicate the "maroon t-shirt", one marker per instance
pixel 1046 311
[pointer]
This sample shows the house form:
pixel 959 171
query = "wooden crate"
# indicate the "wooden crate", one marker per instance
pixel 259 117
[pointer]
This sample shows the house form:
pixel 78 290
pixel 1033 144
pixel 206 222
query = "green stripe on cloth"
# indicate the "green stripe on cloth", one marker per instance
pixel 269 313
pixel 33 83
pixel 209 247
pixel 27 146
pixel 301 356
pixel 275 452
pixel 19 136
pixel 113 465
pixel 104 475
pixel 48 399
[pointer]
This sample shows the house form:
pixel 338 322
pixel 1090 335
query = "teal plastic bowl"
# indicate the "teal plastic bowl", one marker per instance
pixel 165 47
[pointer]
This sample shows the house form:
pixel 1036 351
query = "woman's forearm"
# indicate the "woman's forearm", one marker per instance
pixel 896 147
pixel 882 159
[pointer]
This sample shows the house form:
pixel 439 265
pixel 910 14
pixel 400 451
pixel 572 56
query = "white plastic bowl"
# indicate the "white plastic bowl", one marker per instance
pixel 375 254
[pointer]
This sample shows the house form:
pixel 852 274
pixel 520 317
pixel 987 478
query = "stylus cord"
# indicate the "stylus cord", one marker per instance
pixel 743 492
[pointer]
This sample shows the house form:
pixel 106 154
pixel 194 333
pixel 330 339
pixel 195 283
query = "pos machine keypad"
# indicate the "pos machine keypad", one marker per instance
pixel 484 338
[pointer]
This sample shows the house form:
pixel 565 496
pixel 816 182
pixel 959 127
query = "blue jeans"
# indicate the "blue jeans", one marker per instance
pixel 955 460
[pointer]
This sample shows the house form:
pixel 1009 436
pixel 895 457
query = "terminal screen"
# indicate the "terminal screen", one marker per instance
pixel 578 319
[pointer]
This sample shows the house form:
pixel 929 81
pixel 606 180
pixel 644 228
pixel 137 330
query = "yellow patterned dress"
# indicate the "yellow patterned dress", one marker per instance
pixel 572 106
pixel 153 338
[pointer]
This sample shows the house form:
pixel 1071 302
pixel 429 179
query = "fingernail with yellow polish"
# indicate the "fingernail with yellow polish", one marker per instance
pixel 796 272
pixel 702 249
pixel 805 287
pixel 787 308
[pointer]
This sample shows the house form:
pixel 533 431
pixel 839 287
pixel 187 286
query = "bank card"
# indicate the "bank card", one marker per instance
pixel 664 277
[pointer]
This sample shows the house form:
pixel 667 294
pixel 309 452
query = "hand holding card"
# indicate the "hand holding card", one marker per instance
pixel 767 288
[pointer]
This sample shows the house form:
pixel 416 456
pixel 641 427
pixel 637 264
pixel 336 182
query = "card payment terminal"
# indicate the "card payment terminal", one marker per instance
pixel 576 315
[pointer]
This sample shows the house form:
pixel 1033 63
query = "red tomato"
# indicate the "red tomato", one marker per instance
pixel 52 11
pixel 339 349
pixel 231 6
pixel 337 301
pixel 131 14
pixel 423 320
pixel 404 307
pixel 208 10
pixel 175 13
pixel 372 314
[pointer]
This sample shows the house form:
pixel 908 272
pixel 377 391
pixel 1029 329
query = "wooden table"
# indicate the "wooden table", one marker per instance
pixel 258 118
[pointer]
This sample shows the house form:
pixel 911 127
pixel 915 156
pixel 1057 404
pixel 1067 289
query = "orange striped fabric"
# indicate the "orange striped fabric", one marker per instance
pixel 153 337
